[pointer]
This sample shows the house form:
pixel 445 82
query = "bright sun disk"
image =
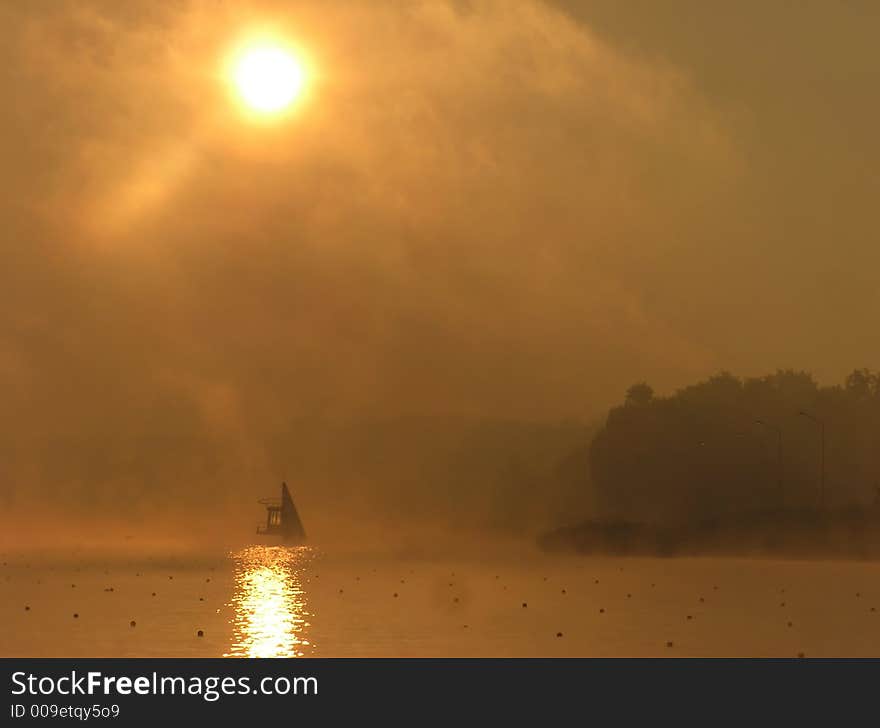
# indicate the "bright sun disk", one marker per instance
pixel 268 79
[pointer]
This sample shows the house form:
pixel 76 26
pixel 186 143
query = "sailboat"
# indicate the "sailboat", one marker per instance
pixel 282 519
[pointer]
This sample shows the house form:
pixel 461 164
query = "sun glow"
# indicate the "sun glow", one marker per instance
pixel 268 78
pixel 270 616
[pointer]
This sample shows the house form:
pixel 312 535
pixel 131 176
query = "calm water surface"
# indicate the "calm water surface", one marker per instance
pixel 264 601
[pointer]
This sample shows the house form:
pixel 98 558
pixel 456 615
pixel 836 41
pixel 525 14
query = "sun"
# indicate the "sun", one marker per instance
pixel 268 78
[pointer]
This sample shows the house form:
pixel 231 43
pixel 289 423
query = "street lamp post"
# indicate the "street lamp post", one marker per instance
pixel 821 424
pixel 778 458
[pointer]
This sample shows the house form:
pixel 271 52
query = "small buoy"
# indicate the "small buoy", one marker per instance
pixel 789 624
pixel 201 599
pixel 559 634
pixel 340 591
pixel 27 608
pixel 669 643
pixel 545 578
pixel 357 578
pixel 464 626
pixel 800 654
pixel 858 594
pixel 132 623
pixel 601 610
pixel 403 581
pixel 563 591
pixel 689 617
pixel 524 605
pixel 781 604
pixel 200 633
pixel 596 582
pixel 873 610
pixel 75 615
pixel 702 600
pixel 170 577
pixel 207 580
pixel 395 595
pixel 455 599
pixel 73 586
pixel 629 596
pixel 154 593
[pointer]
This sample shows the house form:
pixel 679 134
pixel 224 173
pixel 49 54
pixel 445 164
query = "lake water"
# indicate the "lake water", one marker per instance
pixel 274 601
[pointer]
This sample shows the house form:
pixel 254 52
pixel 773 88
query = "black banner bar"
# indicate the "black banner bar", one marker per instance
pixel 418 691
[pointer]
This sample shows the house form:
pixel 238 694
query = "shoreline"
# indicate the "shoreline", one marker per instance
pixel 850 534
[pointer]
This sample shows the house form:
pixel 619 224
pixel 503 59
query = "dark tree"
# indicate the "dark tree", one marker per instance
pixel 711 449
pixel 639 394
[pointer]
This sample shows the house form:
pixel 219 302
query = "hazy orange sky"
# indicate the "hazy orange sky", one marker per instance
pixel 504 208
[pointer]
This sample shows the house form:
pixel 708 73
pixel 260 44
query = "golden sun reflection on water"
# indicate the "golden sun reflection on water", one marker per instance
pixel 270 611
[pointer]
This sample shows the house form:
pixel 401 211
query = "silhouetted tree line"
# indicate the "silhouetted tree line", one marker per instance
pixel 729 445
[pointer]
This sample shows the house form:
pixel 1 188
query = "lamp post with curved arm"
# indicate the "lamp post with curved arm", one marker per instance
pixel 778 431
pixel 821 424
